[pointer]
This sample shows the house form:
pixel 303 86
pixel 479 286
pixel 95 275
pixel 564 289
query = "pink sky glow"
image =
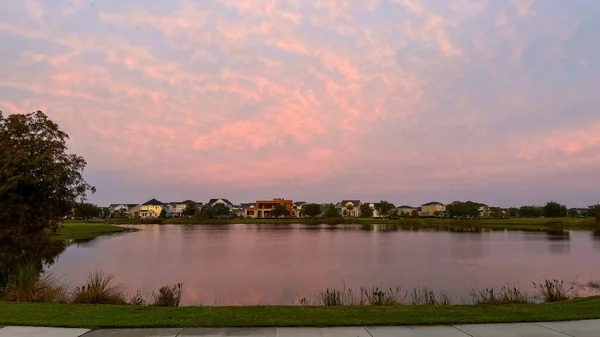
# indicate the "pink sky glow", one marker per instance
pixel 404 100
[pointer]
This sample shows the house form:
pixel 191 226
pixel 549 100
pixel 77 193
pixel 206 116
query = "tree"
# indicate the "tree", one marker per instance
pixel 530 211
pixel 513 212
pixel 311 210
pixel 220 210
pixel 366 211
pixel 331 211
pixel 104 212
pixel 39 184
pixel 189 210
pixel 573 212
pixel 553 209
pixel 349 210
pixel 200 215
pixel 414 213
pixel 496 212
pixel 383 208
pixel 459 209
pixel 594 211
pixel 279 211
pixel 163 213
pixel 87 211
pixel 393 214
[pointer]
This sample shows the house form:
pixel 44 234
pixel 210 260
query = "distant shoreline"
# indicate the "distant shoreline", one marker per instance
pixel 513 223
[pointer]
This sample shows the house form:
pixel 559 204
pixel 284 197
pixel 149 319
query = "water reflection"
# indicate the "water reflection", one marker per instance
pixel 275 264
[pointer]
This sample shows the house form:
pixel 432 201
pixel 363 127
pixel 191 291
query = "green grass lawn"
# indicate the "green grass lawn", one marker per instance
pixel 86 230
pixel 106 316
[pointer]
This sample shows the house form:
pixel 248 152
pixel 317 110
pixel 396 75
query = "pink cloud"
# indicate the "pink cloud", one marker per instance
pixel 238 90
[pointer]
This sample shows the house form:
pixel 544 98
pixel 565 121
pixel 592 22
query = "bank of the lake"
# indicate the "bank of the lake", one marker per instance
pixel 111 316
pixel 71 230
pixel 512 223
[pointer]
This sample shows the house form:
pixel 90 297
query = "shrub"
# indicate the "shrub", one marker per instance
pixel 99 289
pixel 553 290
pixel 168 296
pixel 28 286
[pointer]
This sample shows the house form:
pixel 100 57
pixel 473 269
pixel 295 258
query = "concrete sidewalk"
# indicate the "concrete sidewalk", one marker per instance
pixel 590 328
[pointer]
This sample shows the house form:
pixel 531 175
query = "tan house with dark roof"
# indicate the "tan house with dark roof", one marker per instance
pixel 350 208
pixel 433 209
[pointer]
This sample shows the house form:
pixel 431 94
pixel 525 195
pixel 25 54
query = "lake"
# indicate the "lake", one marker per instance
pixel 278 264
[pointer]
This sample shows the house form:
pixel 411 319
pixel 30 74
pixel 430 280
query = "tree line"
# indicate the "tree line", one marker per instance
pixel 551 209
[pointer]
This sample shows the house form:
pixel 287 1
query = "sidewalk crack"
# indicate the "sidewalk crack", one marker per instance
pixel 367 330
pixel 463 331
pixel 545 327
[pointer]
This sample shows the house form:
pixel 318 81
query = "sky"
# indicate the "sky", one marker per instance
pixel 408 101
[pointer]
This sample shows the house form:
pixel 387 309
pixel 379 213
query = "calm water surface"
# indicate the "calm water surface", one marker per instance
pixel 276 264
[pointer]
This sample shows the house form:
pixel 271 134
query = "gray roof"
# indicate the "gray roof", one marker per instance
pixel 212 201
pixel 298 203
pixel 354 202
pixel 406 207
pixel 153 202
pixel 432 203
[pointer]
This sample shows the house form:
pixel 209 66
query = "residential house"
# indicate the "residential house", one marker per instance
pixel 484 210
pixel 119 210
pixel 297 208
pixel 433 209
pixel 372 207
pixel 239 211
pixel 262 208
pixel 152 209
pixel 225 202
pixel 350 208
pixel 406 210
pixel 134 211
pixel 175 209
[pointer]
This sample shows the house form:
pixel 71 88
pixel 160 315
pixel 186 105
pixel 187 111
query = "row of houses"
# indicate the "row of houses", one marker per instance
pixel 262 208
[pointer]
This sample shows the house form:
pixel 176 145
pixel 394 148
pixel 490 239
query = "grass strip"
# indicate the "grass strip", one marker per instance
pixel 84 230
pixel 114 316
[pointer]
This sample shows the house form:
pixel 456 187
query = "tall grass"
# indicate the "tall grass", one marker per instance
pixel 594 284
pixel 377 296
pixel 553 290
pixel 27 285
pixel 168 296
pixel 505 295
pixel 332 298
pixel 99 288
pixel 427 296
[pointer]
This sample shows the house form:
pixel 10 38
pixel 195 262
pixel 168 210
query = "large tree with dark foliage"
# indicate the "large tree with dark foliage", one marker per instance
pixel 553 209
pixel 531 211
pixel 279 211
pixel 467 209
pixel 311 210
pixel 366 211
pixel 189 210
pixel 40 182
pixel 384 208
pixel 87 211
